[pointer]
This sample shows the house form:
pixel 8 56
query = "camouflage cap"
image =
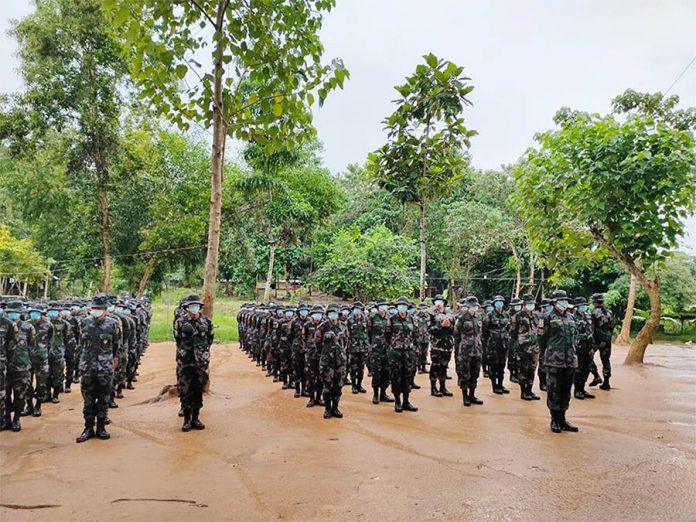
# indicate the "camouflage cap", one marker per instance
pixel 580 301
pixel 598 298
pixel 559 295
pixel 100 301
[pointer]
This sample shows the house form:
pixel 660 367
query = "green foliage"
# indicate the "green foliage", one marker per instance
pixel 368 265
pixel 19 259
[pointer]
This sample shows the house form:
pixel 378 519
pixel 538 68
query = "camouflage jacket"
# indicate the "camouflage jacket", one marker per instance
pixel 495 330
pixel 379 331
pixel 557 338
pixel 23 346
pixel 525 331
pixel 311 346
pixel 402 334
pixel 441 337
pixel 100 341
pixel 8 333
pixel 298 329
pixel 467 335
pixel 60 339
pixel 583 325
pixel 602 325
pixel 195 336
pixel 44 338
pixel 328 337
pixel 358 340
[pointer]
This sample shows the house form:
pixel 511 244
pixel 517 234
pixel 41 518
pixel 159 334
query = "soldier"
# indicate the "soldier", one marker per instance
pixel 557 331
pixel 19 364
pixel 379 330
pixel 56 352
pixel 513 352
pixel 71 347
pixel 468 349
pixel 422 322
pixel 314 384
pixel 525 332
pixel 541 372
pixel 39 361
pixel 485 362
pixel 413 350
pixel 332 361
pixel 100 340
pixel 8 333
pixel 77 314
pixel 602 327
pixel 496 338
pixel 194 333
pixel 285 348
pixel 299 346
pixel 358 347
pixel 583 322
pixel 442 343
pixel 400 344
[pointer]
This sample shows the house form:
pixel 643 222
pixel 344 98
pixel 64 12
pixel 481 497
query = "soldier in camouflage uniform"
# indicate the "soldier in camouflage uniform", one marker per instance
pixel 422 321
pixel 101 336
pixel 70 348
pixel 401 343
pixel 19 364
pixel 557 338
pixel 603 328
pixel 39 361
pixel 379 330
pixel 545 309
pixel 495 333
pixel 8 332
pixel 129 310
pixel 513 352
pixel 194 334
pixel 441 345
pixel 524 330
pixel 468 349
pixel 314 384
pixel 358 347
pixel 298 329
pixel 485 361
pixel 76 316
pixel 127 331
pixel 332 361
pixel 56 353
pixel 583 323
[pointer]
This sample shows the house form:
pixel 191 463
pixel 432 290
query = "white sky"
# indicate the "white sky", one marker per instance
pixel 526 60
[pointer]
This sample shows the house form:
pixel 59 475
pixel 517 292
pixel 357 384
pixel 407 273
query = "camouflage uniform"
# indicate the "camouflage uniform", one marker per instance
pixel 358 348
pixel 298 329
pixel 400 346
pixel 285 351
pixel 19 370
pixel 469 353
pixel 441 346
pixel 332 364
pixel 195 337
pixel 56 355
pixel 312 355
pixel 39 359
pixel 495 332
pixel 603 327
pixel 72 353
pixel 514 347
pixel 379 330
pixel 8 332
pixel 583 323
pixel 422 321
pixel 525 327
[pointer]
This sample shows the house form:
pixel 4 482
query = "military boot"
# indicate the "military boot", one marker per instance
pixel 196 424
pixel 335 412
pixel 361 389
pixel 501 387
pixel 555 422
pixel 311 402
pixel 303 390
pixel 465 398
pixel 494 384
pixel 444 391
pixel 320 400
pixel 112 402
pixel 55 399
pixel 375 395
pixel 119 391
pixel 88 432
pixel 433 389
pixel 28 408
pixel 181 412
pixel 565 425
pixel 298 393
pixel 472 396
pixel 526 392
pixel 588 395
pixel 37 408
pixel 186 426
pixel 101 430
pixel 397 403
pixel 579 394
pixel 129 385
pixel 327 406
pixel 16 425
pixel 354 389
pixel 407 406
pixel 542 381
pixel 415 386
pixel 605 385
pixel 383 397
pixel 68 383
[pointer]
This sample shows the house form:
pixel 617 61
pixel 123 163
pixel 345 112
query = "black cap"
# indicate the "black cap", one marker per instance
pixel 580 301
pixel 599 298
pixel 100 301
pixel 559 295
pixel 192 299
pixel 472 300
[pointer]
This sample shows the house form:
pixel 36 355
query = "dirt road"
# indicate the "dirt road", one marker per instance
pixel 265 456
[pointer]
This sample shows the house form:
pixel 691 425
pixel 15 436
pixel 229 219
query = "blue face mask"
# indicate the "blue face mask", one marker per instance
pixel 316 317
pixel 345 313
pixel 489 308
pixel 392 311
pixel 562 305
pixel 52 314
pixel 35 315
pixel 549 308
pixel 582 308
pixel 382 308
pixel 402 308
pixel 529 306
pixel 333 315
pixel 289 314
pixel 12 316
pixel 473 310
pixel 498 304
pixel 411 311
pixel 304 313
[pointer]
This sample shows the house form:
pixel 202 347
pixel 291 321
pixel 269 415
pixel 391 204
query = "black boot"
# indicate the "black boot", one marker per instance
pixel 119 391
pixel 54 398
pixel 597 380
pixel 494 383
pixel 526 392
pixel 335 412
pixel 407 406
pixel 605 385
pixel 28 408
pixel 414 385
pixel 397 403
pixel 444 391
pixel 311 402
pixel 129 385
pixel 286 384
pixel 472 396
pixel 319 400
pixel 67 389
pixel 361 389
pixel 588 395
pixel 88 432
pixel 186 426
pixel 327 406
pixel 555 422
pixel 298 393
pixel 181 412
pixel 101 430
pixel 303 390
pixel 375 395
pixel 466 398
pixel 354 389
pixel 579 394
pixel 16 425
pixel 501 387
pixel 196 424
pixel 433 389
pixel 565 425
pixel 383 397
pixel 542 381
pixel 112 402
pixel 37 408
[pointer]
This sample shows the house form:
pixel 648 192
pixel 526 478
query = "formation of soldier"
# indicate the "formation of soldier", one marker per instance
pixel 47 346
pixel 315 351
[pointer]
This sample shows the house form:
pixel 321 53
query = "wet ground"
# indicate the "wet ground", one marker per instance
pixel 264 456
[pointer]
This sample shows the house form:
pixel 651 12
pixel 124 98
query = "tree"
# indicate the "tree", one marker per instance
pixel 19 260
pixel 266 72
pixel 618 185
pixel 73 72
pixel 425 134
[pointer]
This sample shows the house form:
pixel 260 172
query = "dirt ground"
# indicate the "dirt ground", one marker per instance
pixel 264 456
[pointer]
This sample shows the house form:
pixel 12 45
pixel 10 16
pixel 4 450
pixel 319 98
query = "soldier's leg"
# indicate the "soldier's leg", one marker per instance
pixel 463 363
pixel 69 370
pixel 542 372
pixel 435 372
pixel 104 384
pixel 395 376
pixel 567 379
pixel 3 396
pixel 553 396
pixel 605 356
pixel 385 379
pixel 200 381
pixel 376 369
pixel 474 371
pixel 336 392
pixel 326 374
pixel 89 406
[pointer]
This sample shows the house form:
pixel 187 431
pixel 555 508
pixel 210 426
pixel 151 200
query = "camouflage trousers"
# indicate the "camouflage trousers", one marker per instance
pixel 39 367
pixel 56 372
pixel 468 369
pixel 604 349
pixel 585 352
pixel 399 371
pixel 273 359
pixel 497 357
pixel 313 383
pixel 421 354
pixel 527 365
pixel 332 381
pixel 3 393
pixel 513 359
pixel 298 367
pixel 357 366
pixel 18 386
pixel 541 372
pixel 559 382
pixel 96 392
pixel 70 362
pixel 439 359
pixel 191 381
pixel 379 365
pixel 286 362
pixel 132 363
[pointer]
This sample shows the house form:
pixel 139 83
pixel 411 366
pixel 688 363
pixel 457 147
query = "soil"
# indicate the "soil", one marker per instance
pixel 265 456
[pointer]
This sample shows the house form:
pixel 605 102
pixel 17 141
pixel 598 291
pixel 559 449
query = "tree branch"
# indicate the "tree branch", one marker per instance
pixel 212 22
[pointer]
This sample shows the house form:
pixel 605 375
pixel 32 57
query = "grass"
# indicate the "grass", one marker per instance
pixel 224 321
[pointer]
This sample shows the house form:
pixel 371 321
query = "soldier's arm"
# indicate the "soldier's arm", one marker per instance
pixel 211 332
pixel 542 333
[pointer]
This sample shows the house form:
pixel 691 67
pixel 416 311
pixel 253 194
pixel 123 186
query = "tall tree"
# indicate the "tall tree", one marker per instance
pixel 426 134
pixel 73 71
pixel 620 185
pixel 272 46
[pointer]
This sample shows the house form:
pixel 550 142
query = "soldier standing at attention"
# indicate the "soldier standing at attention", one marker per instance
pixel 468 349
pixel 584 348
pixel 379 330
pixel 332 360
pixel 495 333
pixel 603 327
pixel 557 340
pixel 8 331
pixel 194 335
pixel 402 332
pixel 100 340
pixel 39 361
pixel 525 333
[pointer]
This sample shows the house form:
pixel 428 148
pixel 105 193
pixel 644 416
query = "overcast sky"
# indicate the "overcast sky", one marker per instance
pixel 526 59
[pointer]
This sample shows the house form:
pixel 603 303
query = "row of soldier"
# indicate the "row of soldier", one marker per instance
pixel 316 351
pixel 46 347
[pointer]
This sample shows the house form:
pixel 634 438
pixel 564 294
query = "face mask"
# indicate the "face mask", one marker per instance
pixel 562 305
pixel 402 308
pixel 304 313
pixel 65 313
pixel 517 308
pixel 473 309
pixel 549 308
pixel 357 311
pixel 498 304
pixel 2 312
pixel 194 308
pixel 289 314
pixel 582 308
pixel 439 303
pixel 333 315
pixel 411 311
pixel 96 312
pixel 75 308
pixel 489 308
pixel 12 316
pixel 110 309
pixel 316 317
pixel 392 311
pixel 345 313
pixel 35 315
pixel 529 306
pixel 52 314
pixel 382 308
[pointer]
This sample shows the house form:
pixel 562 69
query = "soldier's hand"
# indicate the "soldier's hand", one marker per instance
pixel 115 362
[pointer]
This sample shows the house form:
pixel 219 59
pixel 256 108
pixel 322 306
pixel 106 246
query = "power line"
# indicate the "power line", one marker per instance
pixel 681 74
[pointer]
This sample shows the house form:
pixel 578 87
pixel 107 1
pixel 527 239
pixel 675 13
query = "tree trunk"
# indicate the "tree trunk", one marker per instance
pixel 530 278
pixel 452 293
pixel 104 210
pixel 146 276
pixel 216 171
pixel 518 270
pixel 45 292
pixel 422 240
pixel 269 274
pixel 625 335
pixel 647 333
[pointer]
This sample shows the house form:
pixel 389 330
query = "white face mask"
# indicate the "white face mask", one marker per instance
pixel 96 312
pixel 194 308
pixel 529 306
pixel 473 309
